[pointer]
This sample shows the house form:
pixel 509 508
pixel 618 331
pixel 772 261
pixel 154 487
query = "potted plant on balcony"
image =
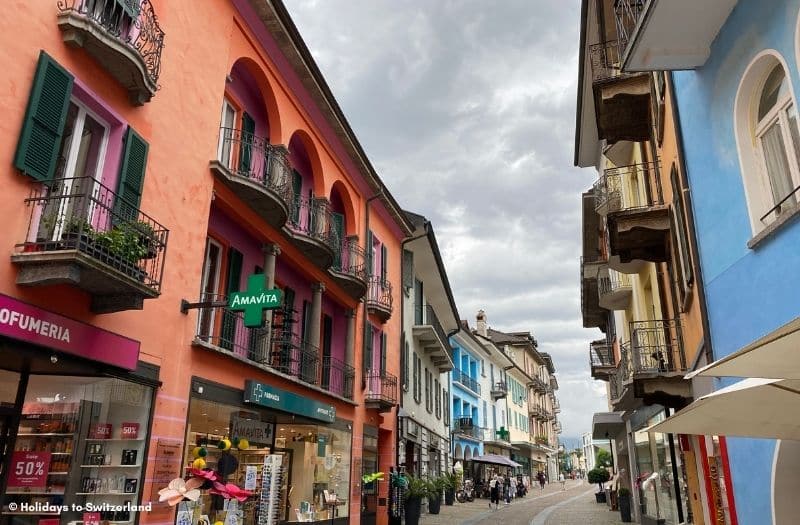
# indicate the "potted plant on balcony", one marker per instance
pixel 599 475
pixel 624 501
pixel 120 248
pixel 416 490
pixel 147 237
pixel 450 484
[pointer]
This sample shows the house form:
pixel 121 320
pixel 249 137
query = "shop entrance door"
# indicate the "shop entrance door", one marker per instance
pixel 5 439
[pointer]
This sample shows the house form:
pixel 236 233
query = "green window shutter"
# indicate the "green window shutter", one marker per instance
pixel 384 261
pixel 408 269
pixel 297 188
pixel 368 348
pixel 228 333
pixel 131 176
pixel 45 116
pixel 383 353
pixel 131 7
pixel 248 131
pixel 234 270
pixel 368 247
pixel 337 221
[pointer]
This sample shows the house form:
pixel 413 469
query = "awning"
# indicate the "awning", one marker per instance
pixel 495 459
pixel 606 425
pixel 760 408
pixel 775 356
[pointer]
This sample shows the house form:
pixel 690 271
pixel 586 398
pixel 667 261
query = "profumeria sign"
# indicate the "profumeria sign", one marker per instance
pixel 25 322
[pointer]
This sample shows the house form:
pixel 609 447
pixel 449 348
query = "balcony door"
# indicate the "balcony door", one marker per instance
pixel 79 169
pixel 226 134
pixel 209 287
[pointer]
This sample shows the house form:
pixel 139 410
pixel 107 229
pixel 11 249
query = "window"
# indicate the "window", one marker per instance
pixel 446 406
pixel 485 415
pixel 768 143
pixel 681 261
pixel 417 393
pixel 438 393
pixel 404 369
pixel 428 399
pixel 778 140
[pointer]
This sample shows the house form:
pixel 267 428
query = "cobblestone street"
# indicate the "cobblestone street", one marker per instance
pixel 573 506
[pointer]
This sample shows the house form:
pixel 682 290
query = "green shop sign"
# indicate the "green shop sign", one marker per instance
pixel 255 300
pixel 271 397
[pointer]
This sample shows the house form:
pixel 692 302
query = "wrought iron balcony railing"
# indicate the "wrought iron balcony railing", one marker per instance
pixel 254 158
pixel 467 427
pixel 499 390
pixel 613 283
pixel 279 350
pixel 624 188
pixel 379 294
pixel 381 387
pixel 601 354
pixel 466 381
pixel 312 218
pixel 538 385
pixel 81 214
pixel 350 259
pixel 605 59
pixel 131 23
pixel 657 346
pixel 424 315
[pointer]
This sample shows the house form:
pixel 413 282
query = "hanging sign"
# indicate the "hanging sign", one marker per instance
pixel 255 300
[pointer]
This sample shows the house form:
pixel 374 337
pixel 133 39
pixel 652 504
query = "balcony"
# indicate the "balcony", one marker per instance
pixel 464 426
pixel 652 366
pixel 649 29
pixel 276 351
pixel 638 223
pixel 615 290
pixel 622 100
pixel 123 36
pixel 381 391
pixel 349 267
pixel 601 358
pixel 379 298
pixel 557 427
pixel 256 172
pixel 499 390
pixel 534 410
pixel 309 227
pixel 467 382
pixel 556 406
pixel 83 234
pixel 593 315
pixel 431 337
pixel 538 385
pixel 546 414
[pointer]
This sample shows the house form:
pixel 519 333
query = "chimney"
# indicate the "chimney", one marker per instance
pixel 481 323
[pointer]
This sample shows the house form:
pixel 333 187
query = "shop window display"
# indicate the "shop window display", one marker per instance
pixel 307 473
pixel 80 440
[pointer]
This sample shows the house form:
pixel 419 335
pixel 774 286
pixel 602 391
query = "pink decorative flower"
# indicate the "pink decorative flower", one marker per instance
pixel 209 475
pixel 178 489
pixel 230 491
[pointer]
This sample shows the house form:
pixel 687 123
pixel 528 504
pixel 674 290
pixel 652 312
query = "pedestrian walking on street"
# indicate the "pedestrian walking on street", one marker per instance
pixel 512 489
pixel 507 489
pixel 494 492
pixel 562 481
pixel 540 477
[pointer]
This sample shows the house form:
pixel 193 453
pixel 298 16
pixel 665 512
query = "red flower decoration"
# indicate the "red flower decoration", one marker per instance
pixel 209 475
pixel 230 491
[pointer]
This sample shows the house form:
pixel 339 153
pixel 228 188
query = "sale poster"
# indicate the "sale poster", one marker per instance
pixel 29 469
pixel 91 518
pixel 101 431
pixel 130 431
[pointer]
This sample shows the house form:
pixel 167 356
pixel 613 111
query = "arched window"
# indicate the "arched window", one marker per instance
pixel 778 139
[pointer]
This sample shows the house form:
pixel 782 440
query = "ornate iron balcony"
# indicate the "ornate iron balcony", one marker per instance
pixel 626 15
pixel 465 426
pixel 379 297
pixel 122 35
pixel 657 346
pixel 278 350
pixel 466 381
pixel 381 390
pixel 80 232
pixel 624 188
pixel 350 261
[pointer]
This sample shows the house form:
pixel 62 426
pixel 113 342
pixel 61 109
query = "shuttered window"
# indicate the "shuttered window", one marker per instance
pixel 369 348
pixel 45 116
pixel 408 269
pixel 383 353
pixel 370 254
pixel 131 177
pixel 228 333
pixel 384 262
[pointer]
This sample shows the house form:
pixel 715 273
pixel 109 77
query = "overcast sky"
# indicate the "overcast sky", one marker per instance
pixel 467 111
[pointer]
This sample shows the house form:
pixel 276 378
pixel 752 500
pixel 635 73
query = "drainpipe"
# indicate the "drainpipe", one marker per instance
pixel 683 173
pixel 369 275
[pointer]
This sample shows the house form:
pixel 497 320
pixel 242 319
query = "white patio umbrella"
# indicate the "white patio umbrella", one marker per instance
pixel 759 408
pixel 775 356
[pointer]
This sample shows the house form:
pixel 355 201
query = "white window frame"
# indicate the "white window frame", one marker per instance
pixel 72 161
pixel 226 105
pixel 204 281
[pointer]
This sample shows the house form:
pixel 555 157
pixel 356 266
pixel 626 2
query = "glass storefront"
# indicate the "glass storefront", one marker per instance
pixel 79 440
pixel 656 474
pixel 314 463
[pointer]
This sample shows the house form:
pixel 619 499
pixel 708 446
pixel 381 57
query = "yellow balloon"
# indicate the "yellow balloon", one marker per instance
pixel 199 463
pixel 218 523
pixel 224 444
pixel 243 444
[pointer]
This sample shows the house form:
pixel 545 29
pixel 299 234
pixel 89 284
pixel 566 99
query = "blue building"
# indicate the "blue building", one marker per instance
pixel 736 79
pixel 468 409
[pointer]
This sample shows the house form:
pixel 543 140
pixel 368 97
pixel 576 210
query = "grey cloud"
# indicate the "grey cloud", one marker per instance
pixel 466 108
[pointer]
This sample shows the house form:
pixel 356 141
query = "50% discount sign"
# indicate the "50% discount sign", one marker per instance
pixel 29 469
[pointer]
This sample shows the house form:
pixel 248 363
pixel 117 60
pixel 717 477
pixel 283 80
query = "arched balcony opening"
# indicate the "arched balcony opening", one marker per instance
pixel 246 161
pixel 349 262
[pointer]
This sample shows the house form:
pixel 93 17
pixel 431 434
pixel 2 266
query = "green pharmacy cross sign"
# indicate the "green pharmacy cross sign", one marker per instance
pixel 502 433
pixel 255 300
